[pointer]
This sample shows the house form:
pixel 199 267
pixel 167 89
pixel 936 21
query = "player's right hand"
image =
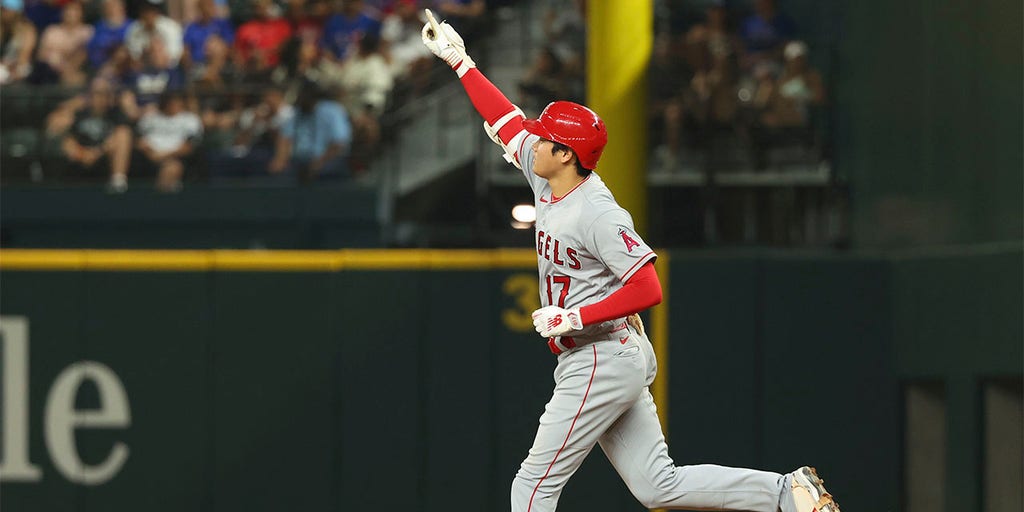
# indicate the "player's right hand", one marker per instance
pixel 553 321
pixel 444 42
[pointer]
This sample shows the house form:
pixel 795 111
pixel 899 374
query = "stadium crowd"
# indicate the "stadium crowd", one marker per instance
pixel 726 77
pixel 731 73
pixel 284 91
pixel 263 90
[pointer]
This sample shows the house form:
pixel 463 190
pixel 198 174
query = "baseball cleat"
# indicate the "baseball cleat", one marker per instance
pixel 809 494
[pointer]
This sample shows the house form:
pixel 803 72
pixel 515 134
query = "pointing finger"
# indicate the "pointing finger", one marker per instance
pixel 435 28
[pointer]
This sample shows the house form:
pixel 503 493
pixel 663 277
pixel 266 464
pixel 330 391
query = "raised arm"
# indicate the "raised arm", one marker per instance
pixel 503 121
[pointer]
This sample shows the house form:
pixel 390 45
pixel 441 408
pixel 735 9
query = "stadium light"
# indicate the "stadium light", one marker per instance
pixel 523 216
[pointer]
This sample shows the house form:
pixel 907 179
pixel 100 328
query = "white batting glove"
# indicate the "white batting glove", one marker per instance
pixel 447 44
pixel 554 321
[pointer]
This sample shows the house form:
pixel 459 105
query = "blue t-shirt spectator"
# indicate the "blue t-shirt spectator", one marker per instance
pixel 150 82
pixel 197 32
pixel 762 35
pixel 105 38
pixel 312 133
pixel 42 14
pixel 341 31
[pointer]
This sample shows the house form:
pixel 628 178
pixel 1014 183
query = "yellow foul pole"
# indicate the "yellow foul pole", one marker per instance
pixel 620 36
pixel 619 41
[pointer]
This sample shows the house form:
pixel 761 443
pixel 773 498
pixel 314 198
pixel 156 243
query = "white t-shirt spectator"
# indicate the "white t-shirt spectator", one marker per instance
pixel 168 133
pixel 368 81
pixel 406 43
pixel 169 31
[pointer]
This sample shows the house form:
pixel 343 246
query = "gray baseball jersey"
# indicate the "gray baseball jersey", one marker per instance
pixel 586 249
pixel 586 244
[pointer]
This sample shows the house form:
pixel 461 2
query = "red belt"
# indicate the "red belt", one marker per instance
pixel 568 343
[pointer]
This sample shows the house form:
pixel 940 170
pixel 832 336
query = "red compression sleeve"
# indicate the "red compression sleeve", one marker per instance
pixel 642 291
pixel 490 103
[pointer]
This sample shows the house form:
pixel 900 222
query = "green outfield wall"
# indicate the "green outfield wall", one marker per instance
pixel 412 380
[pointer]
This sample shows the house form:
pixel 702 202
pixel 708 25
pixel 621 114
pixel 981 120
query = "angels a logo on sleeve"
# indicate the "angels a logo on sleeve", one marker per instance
pixel 628 240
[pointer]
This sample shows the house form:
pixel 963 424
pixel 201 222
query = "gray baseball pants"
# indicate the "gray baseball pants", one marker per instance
pixel 601 396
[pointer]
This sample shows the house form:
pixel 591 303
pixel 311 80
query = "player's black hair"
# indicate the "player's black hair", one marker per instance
pixel 580 170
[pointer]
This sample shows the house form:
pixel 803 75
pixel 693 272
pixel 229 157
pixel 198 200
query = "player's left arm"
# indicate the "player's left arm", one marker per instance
pixel 642 291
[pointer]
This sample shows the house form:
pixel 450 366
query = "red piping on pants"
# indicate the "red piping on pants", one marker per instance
pixel 592 373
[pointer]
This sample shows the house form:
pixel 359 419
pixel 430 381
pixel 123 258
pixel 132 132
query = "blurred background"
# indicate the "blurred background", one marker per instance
pixel 234 232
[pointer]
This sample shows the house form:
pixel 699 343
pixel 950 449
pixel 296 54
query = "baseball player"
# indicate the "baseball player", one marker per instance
pixel 595 274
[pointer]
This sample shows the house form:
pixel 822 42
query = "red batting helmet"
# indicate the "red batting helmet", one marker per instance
pixel 575 126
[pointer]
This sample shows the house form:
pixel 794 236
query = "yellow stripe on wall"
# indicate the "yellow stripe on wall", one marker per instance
pixel 266 261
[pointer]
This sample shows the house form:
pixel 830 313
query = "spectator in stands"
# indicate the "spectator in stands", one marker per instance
pixel 713 52
pixel 380 8
pixel 154 77
pixel 17 42
pixel 765 32
pixel 220 95
pixel 545 82
pixel 314 144
pixel 465 15
pixel 119 70
pixel 109 33
pixel 219 110
pixel 207 26
pixel 366 79
pixel 115 76
pixel 670 78
pixel 98 142
pixel 258 41
pixel 367 82
pixel 298 57
pixel 565 33
pixel 254 142
pixel 785 104
pixel 151 26
pixel 61 58
pixel 307 18
pixel 302 62
pixel 43 13
pixel 557 70
pixel 707 108
pixel 190 9
pixel 344 29
pixel 713 36
pixel 788 100
pixel 713 91
pixel 409 59
pixel 166 137
pixel 217 69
